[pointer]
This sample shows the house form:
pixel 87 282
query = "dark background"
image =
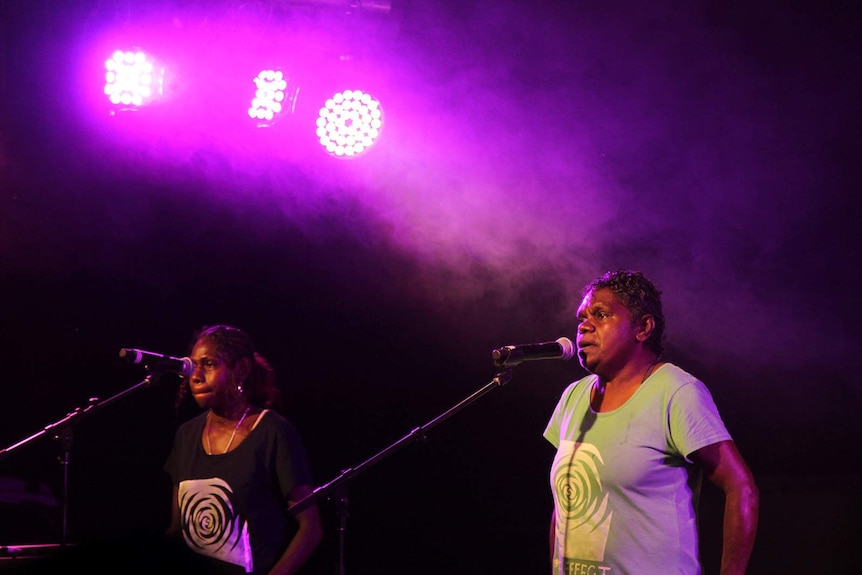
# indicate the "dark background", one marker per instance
pixel 528 147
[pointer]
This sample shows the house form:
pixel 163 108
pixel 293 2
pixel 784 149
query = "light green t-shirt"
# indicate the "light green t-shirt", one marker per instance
pixel 624 491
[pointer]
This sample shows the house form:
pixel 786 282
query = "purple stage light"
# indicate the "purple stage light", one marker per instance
pixel 349 123
pixel 272 98
pixel 132 79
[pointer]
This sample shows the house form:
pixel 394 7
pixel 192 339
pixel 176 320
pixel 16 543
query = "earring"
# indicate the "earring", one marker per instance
pixel 239 388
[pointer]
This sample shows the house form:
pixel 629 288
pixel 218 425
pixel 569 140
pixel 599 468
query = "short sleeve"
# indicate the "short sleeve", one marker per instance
pixel 693 419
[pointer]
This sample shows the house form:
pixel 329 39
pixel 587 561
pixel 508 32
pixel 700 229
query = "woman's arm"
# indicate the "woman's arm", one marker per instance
pixel 724 466
pixel 307 538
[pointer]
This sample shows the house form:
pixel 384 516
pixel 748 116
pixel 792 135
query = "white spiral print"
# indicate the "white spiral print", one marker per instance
pixel 210 525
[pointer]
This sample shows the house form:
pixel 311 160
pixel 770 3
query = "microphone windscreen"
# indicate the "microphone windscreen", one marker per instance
pixel 568 348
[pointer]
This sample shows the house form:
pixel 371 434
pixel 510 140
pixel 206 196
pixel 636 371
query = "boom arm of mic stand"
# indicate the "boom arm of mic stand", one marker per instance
pixel 339 484
pixel 61 430
pixel 418 433
pixel 78 414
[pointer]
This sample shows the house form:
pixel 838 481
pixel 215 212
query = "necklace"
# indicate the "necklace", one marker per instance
pixel 232 435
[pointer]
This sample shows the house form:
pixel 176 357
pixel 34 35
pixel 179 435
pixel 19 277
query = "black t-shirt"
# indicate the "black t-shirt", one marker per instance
pixel 233 507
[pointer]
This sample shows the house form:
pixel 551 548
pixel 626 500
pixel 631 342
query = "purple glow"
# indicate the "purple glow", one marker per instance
pixel 205 97
pixel 349 123
pixel 502 161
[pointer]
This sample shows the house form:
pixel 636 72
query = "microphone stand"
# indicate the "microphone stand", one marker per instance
pixel 338 486
pixel 61 430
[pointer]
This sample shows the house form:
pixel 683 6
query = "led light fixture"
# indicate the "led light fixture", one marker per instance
pixel 349 123
pixel 273 98
pixel 132 79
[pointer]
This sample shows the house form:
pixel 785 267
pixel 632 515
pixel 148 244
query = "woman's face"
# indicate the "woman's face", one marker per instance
pixel 213 382
pixel 607 337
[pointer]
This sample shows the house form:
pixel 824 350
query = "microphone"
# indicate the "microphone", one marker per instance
pixel 158 362
pixel 512 355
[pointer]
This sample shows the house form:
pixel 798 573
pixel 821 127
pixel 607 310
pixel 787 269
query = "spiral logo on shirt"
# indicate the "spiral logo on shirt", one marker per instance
pixel 578 484
pixel 210 524
pixel 582 510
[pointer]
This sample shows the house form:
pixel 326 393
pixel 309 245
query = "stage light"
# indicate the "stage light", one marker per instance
pixel 132 79
pixel 273 98
pixel 349 123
